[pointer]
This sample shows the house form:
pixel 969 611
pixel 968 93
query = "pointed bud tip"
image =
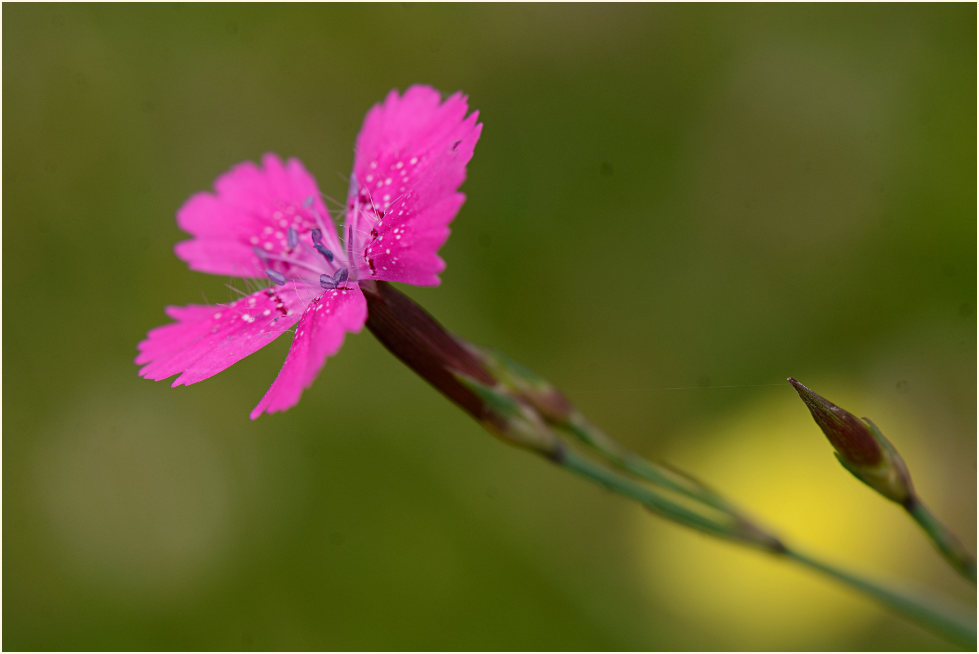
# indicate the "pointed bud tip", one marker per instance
pixel 801 389
pixel 860 447
pixel 850 436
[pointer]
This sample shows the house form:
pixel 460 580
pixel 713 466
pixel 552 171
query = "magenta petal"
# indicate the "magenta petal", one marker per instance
pixel 220 256
pixel 319 334
pixel 252 207
pixel 411 159
pixel 207 339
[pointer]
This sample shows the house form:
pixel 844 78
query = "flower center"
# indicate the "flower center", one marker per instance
pixel 303 260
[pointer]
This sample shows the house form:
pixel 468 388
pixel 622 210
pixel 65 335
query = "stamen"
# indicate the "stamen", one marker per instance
pixel 261 254
pixel 308 202
pixel 317 236
pixel 339 277
pixel 277 278
pixel 292 238
pixel 319 220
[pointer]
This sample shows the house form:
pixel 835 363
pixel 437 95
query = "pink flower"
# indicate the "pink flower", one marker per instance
pixel 269 222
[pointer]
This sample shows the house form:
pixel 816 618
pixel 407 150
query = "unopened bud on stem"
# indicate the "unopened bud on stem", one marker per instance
pixel 863 450
pixel 860 447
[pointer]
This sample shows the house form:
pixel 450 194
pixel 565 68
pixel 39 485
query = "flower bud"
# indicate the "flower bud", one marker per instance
pixel 853 440
pixel 860 447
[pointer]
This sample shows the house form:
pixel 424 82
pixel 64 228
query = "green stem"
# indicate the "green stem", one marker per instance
pixel 664 477
pixel 944 540
pixel 460 372
pixel 731 529
pixel 941 621
pixel 960 629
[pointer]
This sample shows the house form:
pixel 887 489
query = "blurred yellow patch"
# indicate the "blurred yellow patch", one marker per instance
pixel 772 460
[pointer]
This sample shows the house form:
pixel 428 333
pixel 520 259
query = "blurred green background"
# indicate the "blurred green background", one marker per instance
pixel 672 208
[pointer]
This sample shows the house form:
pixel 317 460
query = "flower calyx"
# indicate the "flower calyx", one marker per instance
pixel 455 369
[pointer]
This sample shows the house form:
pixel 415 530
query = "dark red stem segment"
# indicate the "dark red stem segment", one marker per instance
pixel 414 336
